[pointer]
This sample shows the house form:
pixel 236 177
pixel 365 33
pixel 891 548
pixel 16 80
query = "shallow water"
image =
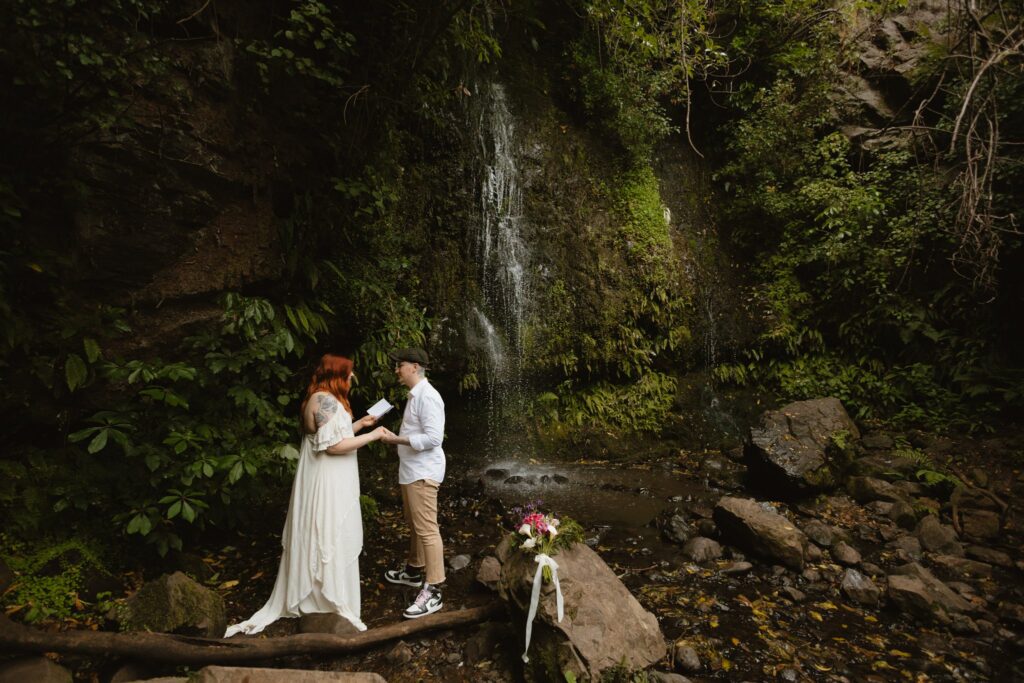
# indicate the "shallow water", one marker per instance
pixel 592 493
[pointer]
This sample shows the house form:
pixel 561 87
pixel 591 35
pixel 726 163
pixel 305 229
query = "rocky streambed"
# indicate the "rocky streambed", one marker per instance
pixel 815 552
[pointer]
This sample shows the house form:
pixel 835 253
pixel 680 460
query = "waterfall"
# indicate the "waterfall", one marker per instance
pixel 502 255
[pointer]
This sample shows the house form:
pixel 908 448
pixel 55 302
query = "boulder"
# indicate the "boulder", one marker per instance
pixel 902 513
pixel 860 588
pixel 884 466
pixel 906 547
pixel 35 669
pixel 334 624
pixel 686 658
pixel 980 524
pixel 489 572
pixel 961 566
pixel 1012 612
pixel 666 677
pixel 793 445
pixel 867 489
pixel 989 555
pixel 701 550
pixel 485 643
pixel 917 592
pixel 820 533
pixel 604 626
pixel 746 523
pixel 676 529
pixel 845 554
pixel 175 604
pixel 936 537
pixel 245 674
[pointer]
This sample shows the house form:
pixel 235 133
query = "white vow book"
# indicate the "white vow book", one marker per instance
pixel 380 408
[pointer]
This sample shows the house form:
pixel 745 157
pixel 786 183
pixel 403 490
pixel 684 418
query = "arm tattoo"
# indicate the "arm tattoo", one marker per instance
pixel 326 408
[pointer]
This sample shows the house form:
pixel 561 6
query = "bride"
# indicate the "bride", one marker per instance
pixel 323 532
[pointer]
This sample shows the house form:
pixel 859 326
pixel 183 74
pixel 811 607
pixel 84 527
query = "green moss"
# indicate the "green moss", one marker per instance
pixel 49 578
pixel 638 202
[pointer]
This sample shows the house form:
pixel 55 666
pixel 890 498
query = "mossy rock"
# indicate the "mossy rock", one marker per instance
pixel 175 604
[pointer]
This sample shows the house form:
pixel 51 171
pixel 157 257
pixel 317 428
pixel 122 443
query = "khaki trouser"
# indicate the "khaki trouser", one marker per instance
pixel 419 501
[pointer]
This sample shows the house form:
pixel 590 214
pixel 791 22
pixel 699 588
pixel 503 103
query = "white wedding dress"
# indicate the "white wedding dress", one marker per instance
pixel 323 535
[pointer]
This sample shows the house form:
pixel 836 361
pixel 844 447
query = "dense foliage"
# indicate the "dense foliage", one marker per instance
pixel 882 272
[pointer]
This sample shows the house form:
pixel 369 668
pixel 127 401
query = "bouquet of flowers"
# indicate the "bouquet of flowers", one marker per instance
pixel 545 534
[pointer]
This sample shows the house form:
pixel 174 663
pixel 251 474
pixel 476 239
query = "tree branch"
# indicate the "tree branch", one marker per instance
pixel 165 647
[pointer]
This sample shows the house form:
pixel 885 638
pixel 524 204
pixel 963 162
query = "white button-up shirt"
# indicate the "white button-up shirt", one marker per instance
pixel 423 423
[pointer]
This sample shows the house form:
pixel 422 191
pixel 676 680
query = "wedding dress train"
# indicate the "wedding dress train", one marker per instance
pixel 323 536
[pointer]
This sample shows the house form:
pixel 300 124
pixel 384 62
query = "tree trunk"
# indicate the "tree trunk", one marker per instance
pixel 166 647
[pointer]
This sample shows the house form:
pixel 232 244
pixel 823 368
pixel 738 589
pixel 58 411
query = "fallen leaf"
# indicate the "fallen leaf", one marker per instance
pixel 228 584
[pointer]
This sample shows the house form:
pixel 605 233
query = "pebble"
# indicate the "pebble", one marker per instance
pixel 401 653
pixel 738 568
pixel 686 658
pixel 794 594
pixel 845 554
pixel 459 562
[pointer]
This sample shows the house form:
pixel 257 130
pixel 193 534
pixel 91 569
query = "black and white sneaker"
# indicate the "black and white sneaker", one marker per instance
pixel 427 602
pixel 405 576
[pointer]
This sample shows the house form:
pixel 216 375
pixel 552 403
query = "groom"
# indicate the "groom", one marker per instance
pixel 420 473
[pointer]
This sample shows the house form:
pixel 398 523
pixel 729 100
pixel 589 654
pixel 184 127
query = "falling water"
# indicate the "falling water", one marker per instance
pixel 503 260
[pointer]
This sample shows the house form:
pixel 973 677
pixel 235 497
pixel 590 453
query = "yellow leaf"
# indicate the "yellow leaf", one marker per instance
pixel 899 653
pixel 229 584
pixel 735 641
pixel 814 615
pixel 825 605
pixel 821 667
pixel 726 664
pixel 868 617
pixel 713 621
pixel 880 664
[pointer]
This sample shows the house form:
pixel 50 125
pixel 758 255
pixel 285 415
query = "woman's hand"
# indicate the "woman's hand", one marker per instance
pixel 380 433
pixel 364 422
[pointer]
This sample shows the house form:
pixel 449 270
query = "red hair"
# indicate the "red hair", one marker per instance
pixel 332 375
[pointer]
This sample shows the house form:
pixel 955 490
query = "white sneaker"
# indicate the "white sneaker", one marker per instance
pixel 427 602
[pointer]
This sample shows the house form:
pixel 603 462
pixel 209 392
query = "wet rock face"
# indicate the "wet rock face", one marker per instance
pixel 792 446
pixel 176 208
pixel 876 89
pixel 750 526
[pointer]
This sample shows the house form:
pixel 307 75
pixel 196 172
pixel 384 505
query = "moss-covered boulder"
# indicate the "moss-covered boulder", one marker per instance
pixel 175 604
pixel 801 448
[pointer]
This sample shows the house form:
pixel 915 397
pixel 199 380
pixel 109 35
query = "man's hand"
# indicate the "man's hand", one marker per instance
pixel 392 438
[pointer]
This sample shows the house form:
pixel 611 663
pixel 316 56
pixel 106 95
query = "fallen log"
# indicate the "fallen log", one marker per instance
pixel 170 648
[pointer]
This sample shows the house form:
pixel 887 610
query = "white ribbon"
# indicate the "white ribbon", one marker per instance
pixel 542 561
